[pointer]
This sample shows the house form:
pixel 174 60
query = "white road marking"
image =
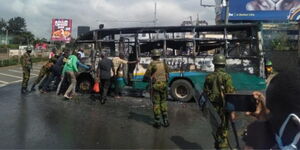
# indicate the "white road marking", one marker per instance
pixel 36 68
pixel 3 82
pixel 18 71
pixel 15 81
pixel 2 85
pixel 8 75
pixel 33 70
pixel 21 72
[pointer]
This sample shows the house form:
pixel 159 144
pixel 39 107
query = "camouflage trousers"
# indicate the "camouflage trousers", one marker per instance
pixel 221 135
pixel 26 76
pixel 159 99
pixel 44 71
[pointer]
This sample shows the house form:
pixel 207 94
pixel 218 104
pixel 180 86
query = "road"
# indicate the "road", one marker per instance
pixel 48 121
pixel 14 74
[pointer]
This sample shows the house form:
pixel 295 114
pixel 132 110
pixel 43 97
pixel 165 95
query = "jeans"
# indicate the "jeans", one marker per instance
pixel 116 86
pixel 52 76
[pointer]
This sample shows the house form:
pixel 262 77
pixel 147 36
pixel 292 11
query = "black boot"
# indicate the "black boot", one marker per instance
pixel 156 125
pixel 102 101
pixel 166 123
pixel 33 88
pixel 24 90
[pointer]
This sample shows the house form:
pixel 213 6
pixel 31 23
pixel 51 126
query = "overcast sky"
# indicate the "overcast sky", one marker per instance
pixel 112 13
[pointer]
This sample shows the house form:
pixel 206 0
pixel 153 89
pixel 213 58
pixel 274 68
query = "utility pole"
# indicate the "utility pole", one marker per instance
pixel 226 23
pixel 227 11
pixel 191 19
pixel 155 14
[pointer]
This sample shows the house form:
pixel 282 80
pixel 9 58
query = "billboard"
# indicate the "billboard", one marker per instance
pixel 61 30
pixel 263 10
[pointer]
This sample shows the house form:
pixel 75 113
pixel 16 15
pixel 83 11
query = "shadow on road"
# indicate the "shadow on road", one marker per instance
pixel 140 118
pixel 183 144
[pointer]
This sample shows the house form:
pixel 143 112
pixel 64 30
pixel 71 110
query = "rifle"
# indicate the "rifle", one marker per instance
pixel 231 121
pixel 151 91
pixel 234 132
pixel 167 76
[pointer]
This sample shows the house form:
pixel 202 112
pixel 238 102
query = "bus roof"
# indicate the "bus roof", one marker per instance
pixel 89 38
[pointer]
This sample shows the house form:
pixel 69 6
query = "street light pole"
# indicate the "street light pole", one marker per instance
pixel 226 23
pixel 227 12
pixel 6 37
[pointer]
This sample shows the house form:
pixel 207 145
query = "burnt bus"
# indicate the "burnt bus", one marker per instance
pixel 187 50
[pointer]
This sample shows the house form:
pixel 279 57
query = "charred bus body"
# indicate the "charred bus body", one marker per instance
pixel 188 50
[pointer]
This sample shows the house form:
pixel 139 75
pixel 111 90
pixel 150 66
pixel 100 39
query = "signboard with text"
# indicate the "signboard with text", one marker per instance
pixel 263 10
pixel 61 30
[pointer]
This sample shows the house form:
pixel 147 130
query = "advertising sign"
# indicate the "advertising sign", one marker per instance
pixel 263 10
pixel 61 30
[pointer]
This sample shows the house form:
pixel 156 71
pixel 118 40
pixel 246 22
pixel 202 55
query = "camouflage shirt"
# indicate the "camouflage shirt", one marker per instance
pixel 26 60
pixel 50 63
pixel 217 84
pixel 157 70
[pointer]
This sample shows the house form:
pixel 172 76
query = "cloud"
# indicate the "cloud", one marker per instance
pixel 113 13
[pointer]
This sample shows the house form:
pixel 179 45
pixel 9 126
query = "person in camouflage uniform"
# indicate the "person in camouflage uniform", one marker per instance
pixel 157 73
pixel 269 71
pixel 26 66
pixel 45 71
pixel 216 85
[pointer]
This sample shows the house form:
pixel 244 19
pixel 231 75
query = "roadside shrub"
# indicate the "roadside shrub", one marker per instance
pixel 15 61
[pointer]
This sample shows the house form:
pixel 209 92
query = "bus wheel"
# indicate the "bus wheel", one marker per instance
pixel 84 86
pixel 182 90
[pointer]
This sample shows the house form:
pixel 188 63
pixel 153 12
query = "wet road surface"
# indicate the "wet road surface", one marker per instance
pixel 14 74
pixel 48 121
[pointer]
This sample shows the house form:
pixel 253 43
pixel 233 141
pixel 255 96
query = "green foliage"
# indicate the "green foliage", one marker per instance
pixel 15 60
pixel 281 42
pixel 10 46
pixel 24 38
pixel 16 25
pixel 3 26
pixel 17 29
pixel 8 62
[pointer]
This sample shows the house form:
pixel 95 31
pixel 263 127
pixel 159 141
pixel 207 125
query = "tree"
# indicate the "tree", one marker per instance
pixel 3 25
pixel 16 25
pixel 24 38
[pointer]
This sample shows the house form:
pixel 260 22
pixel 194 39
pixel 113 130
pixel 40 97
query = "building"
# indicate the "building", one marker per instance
pixel 81 30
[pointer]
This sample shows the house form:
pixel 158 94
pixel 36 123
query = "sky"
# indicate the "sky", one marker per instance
pixel 112 13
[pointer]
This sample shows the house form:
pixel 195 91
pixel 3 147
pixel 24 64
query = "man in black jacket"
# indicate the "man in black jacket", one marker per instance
pixel 104 73
pixel 56 72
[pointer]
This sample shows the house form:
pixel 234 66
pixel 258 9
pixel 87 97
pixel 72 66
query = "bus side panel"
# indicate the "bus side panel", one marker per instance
pixel 246 82
pixel 197 78
pixel 241 81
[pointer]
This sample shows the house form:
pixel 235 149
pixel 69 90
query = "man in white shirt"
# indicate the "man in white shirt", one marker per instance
pixel 80 51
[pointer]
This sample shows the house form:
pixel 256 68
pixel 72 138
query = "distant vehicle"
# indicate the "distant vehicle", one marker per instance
pixel 188 51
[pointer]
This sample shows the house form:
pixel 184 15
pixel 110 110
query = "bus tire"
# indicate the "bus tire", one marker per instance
pixel 182 90
pixel 85 83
